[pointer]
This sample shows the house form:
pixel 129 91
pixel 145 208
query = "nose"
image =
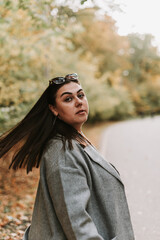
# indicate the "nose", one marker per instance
pixel 78 102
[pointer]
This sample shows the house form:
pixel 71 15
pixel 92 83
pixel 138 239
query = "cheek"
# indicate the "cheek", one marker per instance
pixel 65 110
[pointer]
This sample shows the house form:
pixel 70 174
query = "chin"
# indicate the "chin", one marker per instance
pixel 84 121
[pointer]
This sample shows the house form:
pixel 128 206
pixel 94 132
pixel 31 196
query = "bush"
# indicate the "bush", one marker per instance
pixel 148 100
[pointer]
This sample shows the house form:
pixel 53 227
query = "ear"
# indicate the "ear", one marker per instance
pixel 53 109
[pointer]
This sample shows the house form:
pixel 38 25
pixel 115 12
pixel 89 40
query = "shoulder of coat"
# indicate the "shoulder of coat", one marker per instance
pixel 55 145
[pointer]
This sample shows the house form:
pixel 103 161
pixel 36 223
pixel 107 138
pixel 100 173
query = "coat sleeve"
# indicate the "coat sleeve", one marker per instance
pixel 70 193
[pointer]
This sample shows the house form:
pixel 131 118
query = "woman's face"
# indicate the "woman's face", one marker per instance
pixel 71 105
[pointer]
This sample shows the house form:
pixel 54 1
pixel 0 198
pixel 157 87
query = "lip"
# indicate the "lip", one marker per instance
pixel 81 111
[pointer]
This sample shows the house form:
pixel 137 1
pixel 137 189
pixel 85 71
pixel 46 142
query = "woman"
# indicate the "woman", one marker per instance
pixel 80 195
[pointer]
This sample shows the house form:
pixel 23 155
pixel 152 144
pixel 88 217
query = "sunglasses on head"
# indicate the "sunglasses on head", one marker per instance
pixel 60 80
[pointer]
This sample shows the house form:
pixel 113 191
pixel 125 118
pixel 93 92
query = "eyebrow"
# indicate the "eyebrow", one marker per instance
pixel 70 92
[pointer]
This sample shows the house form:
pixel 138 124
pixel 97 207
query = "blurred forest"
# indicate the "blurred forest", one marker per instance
pixel 42 39
pixel 121 75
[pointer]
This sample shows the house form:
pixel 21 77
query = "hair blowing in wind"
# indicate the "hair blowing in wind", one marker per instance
pixel 24 144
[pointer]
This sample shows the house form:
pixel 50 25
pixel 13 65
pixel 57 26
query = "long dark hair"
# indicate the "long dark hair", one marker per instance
pixel 25 142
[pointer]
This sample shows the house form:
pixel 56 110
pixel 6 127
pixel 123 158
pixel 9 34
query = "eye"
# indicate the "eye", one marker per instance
pixel 68 99
pixel 81 95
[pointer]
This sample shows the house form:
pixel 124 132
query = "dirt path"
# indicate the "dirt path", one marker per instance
pixel 134 148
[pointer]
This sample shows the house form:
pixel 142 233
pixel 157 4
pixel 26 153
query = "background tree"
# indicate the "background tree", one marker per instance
pixel 43 39
pixel 143 75
pixel 143 57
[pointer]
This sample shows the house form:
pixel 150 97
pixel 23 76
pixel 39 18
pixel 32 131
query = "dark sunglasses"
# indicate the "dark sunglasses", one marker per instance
pixel 60 80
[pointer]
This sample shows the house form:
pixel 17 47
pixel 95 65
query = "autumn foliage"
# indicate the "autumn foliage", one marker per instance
pixel 40 41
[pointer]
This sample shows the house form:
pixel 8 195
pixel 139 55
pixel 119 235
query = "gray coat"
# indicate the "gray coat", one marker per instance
pixel 80 197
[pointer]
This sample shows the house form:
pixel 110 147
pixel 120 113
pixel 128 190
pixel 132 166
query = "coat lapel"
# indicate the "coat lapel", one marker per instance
pixel 96 157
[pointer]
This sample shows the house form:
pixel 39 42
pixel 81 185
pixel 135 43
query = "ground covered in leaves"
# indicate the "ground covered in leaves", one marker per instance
pixel 17 194
pixel 18 190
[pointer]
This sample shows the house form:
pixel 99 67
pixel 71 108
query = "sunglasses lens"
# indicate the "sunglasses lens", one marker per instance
pixel 73 76
pixel 58 80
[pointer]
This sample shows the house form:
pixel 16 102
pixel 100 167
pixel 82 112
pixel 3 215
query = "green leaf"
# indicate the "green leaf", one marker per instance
pixel 83 1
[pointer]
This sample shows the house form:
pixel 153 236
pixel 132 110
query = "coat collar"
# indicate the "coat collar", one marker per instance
pixel 96 157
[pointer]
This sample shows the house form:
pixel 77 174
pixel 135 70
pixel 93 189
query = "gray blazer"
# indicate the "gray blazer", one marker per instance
pixel 80 197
